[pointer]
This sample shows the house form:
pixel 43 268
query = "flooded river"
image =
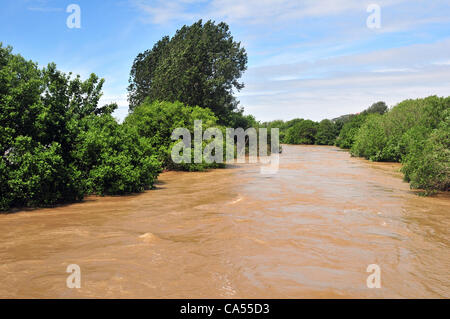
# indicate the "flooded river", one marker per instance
pixel 309 231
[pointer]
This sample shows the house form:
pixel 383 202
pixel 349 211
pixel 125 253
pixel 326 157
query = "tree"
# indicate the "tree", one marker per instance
pixel 157 120
pixel 371 139
pixel 326 133
pixel 114 159
pixel 302 132
pixel 377 108
pixel 427 165
pixel 143 72
pixel 200 65
pixel 349 131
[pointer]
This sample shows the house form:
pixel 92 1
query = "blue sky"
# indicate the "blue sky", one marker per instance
pixel 307 58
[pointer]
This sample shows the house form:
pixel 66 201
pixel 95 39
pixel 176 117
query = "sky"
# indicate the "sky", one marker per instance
pixel 311 59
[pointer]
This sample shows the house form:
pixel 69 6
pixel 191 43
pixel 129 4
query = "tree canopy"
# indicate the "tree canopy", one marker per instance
pixel 57 144
pixel 199 66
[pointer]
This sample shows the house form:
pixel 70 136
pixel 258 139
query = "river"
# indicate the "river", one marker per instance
pixel 309 231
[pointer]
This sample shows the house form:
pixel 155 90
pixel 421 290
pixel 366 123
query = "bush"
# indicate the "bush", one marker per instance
pixel 302 132
pixel 326 133
pixel 57 144
pixel 347 135
pixel 370 139
pixel 414 132
pixel 427 165
pixel 38 175
pixel 157 120
pixel 5 193
pixel 411 118
pixel 114 159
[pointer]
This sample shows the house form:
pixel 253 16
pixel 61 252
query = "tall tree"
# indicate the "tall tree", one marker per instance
pixel 199 66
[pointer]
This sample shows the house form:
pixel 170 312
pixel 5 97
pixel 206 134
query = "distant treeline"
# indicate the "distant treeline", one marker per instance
pixel 415 133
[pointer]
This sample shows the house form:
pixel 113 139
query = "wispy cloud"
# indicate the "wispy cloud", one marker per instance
pixel 44 6
pixel 251 11
pixel 44 9
pixel 348 84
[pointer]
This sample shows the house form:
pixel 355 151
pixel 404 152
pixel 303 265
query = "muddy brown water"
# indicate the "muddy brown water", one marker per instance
pixel 309 231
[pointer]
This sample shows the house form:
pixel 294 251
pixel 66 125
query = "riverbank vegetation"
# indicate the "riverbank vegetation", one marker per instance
pixel 415 133
pixel 58 145
pixel 156 121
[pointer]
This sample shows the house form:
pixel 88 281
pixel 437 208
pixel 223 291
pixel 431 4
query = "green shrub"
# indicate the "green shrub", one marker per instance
pixel 349 131
pixel 411 118
pixel 5 193
pixel 57 144
pixel 114 159
pixel 370 139
pixel 157 120
pixel 427 164
pixel 302 132
pixel 38 175
pixel 414 132
pixel 326 133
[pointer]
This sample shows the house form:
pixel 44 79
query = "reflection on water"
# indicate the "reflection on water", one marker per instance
pixel 309 231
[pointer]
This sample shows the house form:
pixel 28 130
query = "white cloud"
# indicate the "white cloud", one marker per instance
pixel 252 11
pixel 44 9
pixel 350 87
pixel 160 12
pixel 394 70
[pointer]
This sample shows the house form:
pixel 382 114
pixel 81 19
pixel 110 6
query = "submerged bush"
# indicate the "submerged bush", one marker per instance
pixel 39 176
pixel 113 158
pixel 157 120
pixel 302 132
pixel 326 133
pixel 370 139
pixel 427 165
pixel 415 133
pixel 347 135
pixel 57 144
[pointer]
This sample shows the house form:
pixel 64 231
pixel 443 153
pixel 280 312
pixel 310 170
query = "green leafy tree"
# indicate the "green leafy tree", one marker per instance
pixel 376 108
pixel 200 65
pixel 114 159
pixel 50 123
pixel 427 165
pixel 326 133
pixel 349 131
pixel 157 120
pixel 302 132
pixel 371 139
pixel 143 72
